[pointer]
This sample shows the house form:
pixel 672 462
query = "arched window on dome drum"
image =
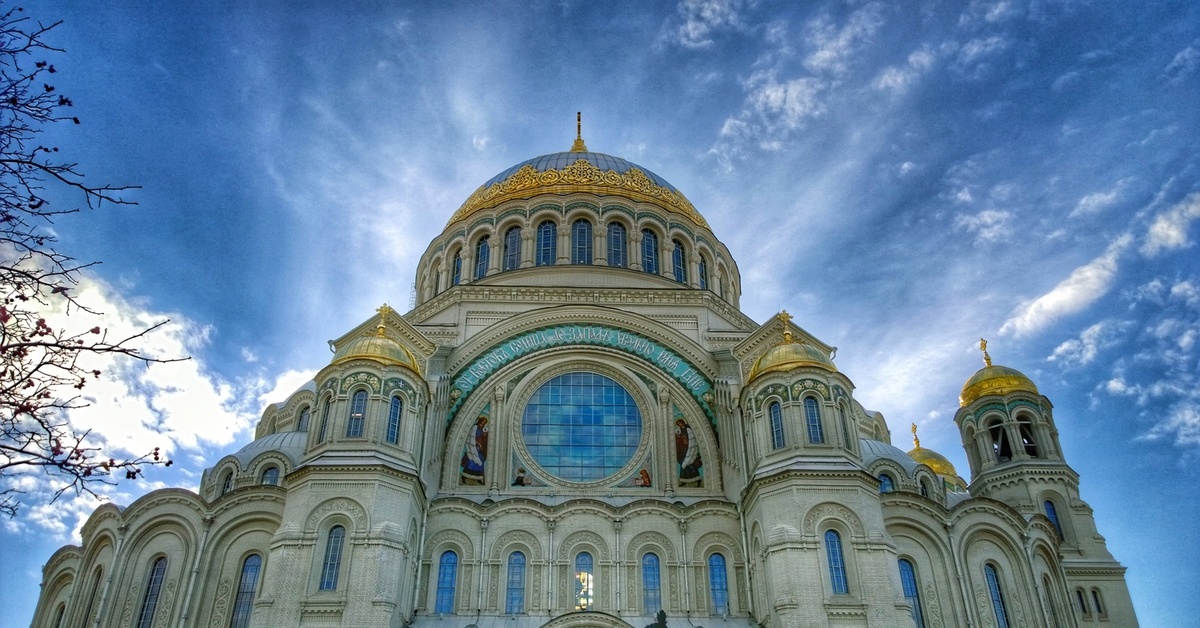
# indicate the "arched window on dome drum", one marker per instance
pixel 483 252
pixel 924 487
pixel 885 483
pixel 456 269
pixel 153 587
pixel 847 443
pixel 514 595
pixel 446 583
pixel 1025 429
pixel 324 420
pixel 702 269
pixel 812 416
pixel 358 408
pixel 584 587
pixel 1096 604
pixel 1083 605
pixel 618 247
pixel 651 585
pixel 776 425
pixel 512 248
pixel 993 583
pixel 679 262
pixel 649 252
pixel 437 282
pixel 302 424
pixel 227 482
pixel 270 477
pixel 1052 515
pixel 908 580
pixel 547 243
pixel 393 425
pixel 332 564
pixel 243 604
pixel 837 564
pixel 1000 445
pixel 581 242
pixel 718 585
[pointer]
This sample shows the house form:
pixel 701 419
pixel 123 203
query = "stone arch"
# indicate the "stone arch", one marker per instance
pixel 831 510
pixel 652 539
pixel 338 505
pixel 516 540
pixel 583 539
pixel 707 542
pixel 449 539
pixel 586 619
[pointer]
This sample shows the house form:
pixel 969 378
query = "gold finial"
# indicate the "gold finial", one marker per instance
pixel 383 310
pixel 987 359
pixel 784 317
pixel 916 441
pixel 579 146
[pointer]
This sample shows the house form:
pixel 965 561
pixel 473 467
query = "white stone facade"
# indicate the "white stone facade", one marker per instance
pixel 734 443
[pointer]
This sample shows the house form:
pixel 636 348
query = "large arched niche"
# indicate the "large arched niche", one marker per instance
pixel 502 398
pixel 586 619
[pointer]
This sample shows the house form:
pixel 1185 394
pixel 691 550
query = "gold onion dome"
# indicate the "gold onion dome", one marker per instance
pixel 379 348
pixel 578 170
pixel 789 355
pixel 930 458
pixel 994 380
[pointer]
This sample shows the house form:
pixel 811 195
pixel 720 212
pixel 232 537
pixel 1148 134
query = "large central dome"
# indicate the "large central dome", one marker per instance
pixel 578 170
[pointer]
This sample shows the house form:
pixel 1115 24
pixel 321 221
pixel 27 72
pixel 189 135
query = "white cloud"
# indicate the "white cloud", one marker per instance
pixel 1080 289
pixel 1169 231
pixel 1099 201
pixel 699 20
pixel 989 225
pixel 833 48
pixel 1182 65
pixel 1181 425
pixel 897 79
pixel 1084 349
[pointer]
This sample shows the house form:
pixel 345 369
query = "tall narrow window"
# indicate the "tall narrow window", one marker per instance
pixel 886 485
pixel 1000 445
pixel 1025 429
pixel 153 587
pixel 456 269
pixel 651 585
pixel 302 423
pixel 270 477
pixel 324 420
pixel 581 242
pixel 1083 605
pixel 358 408
pixel 912 593
pixel 812 417
pixel 243 604
pixel 1051 601
pixel 618 248
pixel 649 252
pixel 514 598
pixel 993 583
pixel 845 428
pixel 584 587
pixel 1096 602
pixel 679 262
pixel 718 585
pixel 512 248
pixel 393 427
pixel 87 612
pixel 547 243
pixel 702 269
pixel 837 565
pixel 227 483
pixel 333 558
pixel 58 616
pixel 1052 515
pixel 437 282
pixel 446 583
pixel 776 425
pixel 483 251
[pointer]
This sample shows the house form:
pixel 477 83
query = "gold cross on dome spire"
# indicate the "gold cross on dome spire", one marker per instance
pixel 383 310
pixel 579 146
pixel 987 359
pixel 785 318
pixel 916 441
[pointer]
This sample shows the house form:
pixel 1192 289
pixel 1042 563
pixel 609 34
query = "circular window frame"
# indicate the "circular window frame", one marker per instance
pixel 632 387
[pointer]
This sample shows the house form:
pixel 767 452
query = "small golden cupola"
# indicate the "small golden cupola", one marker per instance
pixel 790 354
pixel 930 458
pixel 378 347
pixel 994 380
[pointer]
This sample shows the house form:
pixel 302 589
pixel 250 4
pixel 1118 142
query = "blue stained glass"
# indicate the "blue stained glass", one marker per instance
pixel 998 607
pixel 651 585
pixel 547 244
pixel 446 583
pixel 581 427
pixel 718 585
pixel 908 580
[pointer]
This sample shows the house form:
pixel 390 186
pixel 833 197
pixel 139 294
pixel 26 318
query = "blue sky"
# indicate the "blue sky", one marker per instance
pixel 903 178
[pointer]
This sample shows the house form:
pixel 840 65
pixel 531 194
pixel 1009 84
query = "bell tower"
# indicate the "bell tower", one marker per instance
pixel 1008 432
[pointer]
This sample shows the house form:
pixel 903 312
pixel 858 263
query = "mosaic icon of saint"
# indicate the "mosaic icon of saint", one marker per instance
pixel 476 453
pixel 687 454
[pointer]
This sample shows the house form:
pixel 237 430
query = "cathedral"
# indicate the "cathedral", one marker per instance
pixel 576 426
